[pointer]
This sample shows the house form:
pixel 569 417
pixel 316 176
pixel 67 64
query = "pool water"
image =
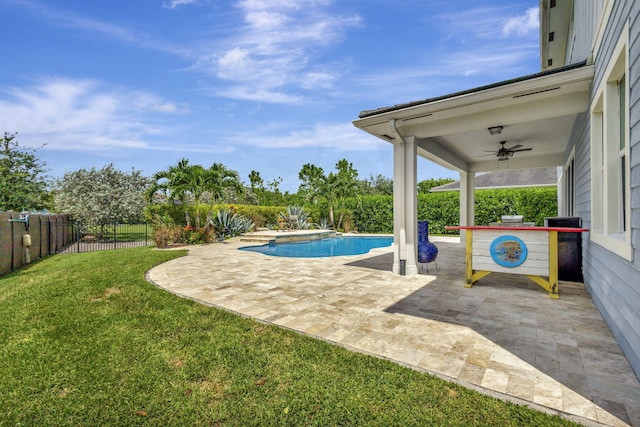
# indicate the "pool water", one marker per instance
pixel 334 246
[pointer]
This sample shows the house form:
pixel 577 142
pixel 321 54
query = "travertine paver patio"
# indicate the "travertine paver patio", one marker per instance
pixel 504 336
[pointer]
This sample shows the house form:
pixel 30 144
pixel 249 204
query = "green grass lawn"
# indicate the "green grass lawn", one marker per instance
pixel 85 341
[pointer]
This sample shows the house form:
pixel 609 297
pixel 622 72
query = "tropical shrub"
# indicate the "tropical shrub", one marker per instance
pixel 102 196
pixel 538 203
pixel 372 214
pixel 295 217
pixel 164 236
pixel 228 224
pixel 262 216
pixel 440 209
pixel 323 224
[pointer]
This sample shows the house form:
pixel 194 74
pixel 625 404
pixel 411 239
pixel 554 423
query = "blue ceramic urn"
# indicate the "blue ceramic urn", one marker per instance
pixel 427 251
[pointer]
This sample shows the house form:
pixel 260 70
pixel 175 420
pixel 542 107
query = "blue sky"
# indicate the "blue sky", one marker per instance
pixel 265 85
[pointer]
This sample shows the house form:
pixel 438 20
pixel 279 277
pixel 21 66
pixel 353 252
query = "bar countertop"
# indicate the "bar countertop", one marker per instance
pixel 516 228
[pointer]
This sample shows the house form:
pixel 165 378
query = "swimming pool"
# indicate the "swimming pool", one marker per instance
pixel 334 246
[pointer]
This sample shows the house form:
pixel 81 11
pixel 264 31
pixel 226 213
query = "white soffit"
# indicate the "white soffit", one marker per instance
pixel 452 131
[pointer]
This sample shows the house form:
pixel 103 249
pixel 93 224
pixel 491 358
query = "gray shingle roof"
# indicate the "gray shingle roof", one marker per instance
pixel 537 177
pixel 369 113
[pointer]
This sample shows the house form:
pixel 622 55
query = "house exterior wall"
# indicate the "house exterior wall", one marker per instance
pixel 583 28
pixel 612 281
pixel 582 169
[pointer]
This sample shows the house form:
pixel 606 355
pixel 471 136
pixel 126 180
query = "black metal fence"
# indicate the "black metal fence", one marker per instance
pixel 24 239
pixel 98 237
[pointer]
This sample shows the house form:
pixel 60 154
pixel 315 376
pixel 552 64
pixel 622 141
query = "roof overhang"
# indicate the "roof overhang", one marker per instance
pixel 536 111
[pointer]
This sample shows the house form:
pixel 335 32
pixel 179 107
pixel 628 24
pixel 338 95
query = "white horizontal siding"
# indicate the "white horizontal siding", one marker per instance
pixel 613 282
pixel 585 24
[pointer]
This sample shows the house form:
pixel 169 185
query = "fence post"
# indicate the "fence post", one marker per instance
pixel 115 235
pixel 6 243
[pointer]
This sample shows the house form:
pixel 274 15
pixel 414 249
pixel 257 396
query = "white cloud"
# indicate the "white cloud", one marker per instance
pixel 145 103
pixel 336 136
pixel 523 24
pixel 235 64
pixel 317 79
pixel 475 54
pixel 246 93
pixel 275 51
pixel 84 115
pixel 266 19
pixel 175 3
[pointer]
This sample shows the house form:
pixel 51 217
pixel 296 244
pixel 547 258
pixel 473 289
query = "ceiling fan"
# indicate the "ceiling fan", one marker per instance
pixel 505 153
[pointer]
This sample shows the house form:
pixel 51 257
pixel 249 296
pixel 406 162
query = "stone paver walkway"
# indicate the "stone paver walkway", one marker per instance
pixel 504 336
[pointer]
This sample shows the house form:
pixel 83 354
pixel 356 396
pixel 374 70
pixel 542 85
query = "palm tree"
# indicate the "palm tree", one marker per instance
pixel 334 188
pixel 195 183
pixel 219 181
pixel 184 180
pixel 172 183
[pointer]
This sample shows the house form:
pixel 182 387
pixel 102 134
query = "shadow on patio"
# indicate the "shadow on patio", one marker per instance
pixel 564 339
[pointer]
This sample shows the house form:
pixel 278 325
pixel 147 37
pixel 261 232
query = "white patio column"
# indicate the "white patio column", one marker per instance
pixel 399 232
pixel 467 202
pixel 405 208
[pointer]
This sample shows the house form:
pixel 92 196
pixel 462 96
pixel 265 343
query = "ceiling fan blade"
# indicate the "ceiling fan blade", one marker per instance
pixel 515 147
pixel 522 149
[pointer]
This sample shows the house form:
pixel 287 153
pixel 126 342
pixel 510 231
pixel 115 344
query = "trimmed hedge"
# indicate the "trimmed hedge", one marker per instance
pixel 262 216
pixel 374 214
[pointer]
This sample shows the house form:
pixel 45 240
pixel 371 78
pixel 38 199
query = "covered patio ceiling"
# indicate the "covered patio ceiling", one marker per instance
pixel 536 111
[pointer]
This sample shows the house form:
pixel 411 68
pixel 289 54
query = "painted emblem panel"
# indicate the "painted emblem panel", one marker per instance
pixel 508 251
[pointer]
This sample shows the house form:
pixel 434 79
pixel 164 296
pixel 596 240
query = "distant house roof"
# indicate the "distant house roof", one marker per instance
pixel 536 177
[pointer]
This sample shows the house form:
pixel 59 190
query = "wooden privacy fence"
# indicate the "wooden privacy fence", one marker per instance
pixel 49 234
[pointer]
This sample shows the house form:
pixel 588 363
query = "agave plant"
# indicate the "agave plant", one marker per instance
pixel 324 224
pixel 295 218
pixel 227 224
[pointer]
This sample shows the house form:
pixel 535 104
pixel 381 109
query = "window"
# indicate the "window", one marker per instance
pixel 568 179
pixel 609 156
pixel 622 153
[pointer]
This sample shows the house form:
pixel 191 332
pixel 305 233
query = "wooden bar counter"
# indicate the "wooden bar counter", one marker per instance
pixel 531 251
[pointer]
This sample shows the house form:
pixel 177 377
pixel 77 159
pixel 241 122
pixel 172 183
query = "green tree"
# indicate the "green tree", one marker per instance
pixel 185 182
pixel 257 183
pixel 346 185
pixel 102 196
pixel 379 184
pixel 257 186
pixel 333 188
pixel 219 182
pixel 171 182
pixel 311 180
pixel 426 185
pixel 195 183
pixel 22 184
